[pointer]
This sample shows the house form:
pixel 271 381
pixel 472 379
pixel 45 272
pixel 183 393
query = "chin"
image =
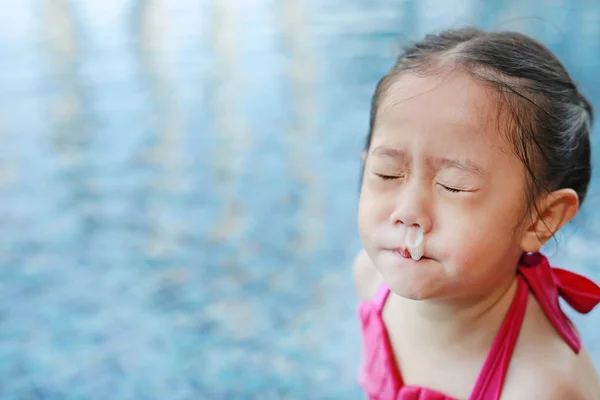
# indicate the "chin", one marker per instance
pixel 412 280
pixel 411 287
pixel 413 293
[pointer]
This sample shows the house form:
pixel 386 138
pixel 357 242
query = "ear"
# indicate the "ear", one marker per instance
pixel 363 155
pixel 555 210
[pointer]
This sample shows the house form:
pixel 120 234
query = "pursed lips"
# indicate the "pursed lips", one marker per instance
pixel 403 252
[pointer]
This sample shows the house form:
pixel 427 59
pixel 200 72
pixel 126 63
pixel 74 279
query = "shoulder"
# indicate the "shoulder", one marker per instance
pixel 366 276
pixel 543 366
pixel 578 381
pixel 554 384
pixel 569 390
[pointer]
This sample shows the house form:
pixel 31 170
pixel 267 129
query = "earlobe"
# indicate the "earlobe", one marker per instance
pixel 558 208
pixel 363 155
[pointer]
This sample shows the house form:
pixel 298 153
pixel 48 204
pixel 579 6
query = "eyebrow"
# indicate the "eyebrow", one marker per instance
pixel 391 152
pixel 435 163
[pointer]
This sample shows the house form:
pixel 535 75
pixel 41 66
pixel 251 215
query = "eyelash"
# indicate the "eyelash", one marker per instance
pixel 387 177
pixel 451 190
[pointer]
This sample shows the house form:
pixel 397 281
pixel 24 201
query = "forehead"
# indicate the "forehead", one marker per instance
pixel 452 107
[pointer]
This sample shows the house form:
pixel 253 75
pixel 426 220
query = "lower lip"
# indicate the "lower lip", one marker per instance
pixel 405 254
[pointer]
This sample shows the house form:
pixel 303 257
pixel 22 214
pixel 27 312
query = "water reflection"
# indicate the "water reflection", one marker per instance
pixel 227 88
pixel 165 151
pixel 302 140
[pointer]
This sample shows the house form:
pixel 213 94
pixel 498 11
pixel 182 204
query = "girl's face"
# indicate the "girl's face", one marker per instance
pixel 439 160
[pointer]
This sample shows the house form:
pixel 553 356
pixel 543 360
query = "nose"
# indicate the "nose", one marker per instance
pixel 412 207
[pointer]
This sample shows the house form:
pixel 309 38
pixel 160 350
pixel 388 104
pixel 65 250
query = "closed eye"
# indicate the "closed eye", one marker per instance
pixel 454 190
pixel 387 177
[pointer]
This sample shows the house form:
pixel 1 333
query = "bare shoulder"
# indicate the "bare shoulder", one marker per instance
pixel 578 380
pixel 552 383
pixel 573 378
pixel 366 276
pixel 543 366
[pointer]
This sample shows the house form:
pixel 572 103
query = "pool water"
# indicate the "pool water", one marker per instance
pixel 179 183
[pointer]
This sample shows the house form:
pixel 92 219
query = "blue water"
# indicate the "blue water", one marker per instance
pixel 178 188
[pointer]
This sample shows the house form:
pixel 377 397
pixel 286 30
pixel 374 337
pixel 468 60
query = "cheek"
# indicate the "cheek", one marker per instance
pixel 482 234
pixel 366 218
pixel 373 209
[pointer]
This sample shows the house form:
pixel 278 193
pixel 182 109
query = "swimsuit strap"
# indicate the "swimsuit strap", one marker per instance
pixel 381 297
pixel 547 284
pixel 491 378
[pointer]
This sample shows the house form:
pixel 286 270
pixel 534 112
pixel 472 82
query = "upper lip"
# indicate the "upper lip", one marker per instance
pixel 404 248
pixel 398 248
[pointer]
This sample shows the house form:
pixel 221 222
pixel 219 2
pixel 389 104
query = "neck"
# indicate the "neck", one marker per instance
pixel 450 324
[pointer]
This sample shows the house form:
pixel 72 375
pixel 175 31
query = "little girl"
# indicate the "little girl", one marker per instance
pixel 478 153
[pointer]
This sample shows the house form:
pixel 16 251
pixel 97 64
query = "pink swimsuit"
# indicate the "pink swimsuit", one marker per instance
pixel 381 379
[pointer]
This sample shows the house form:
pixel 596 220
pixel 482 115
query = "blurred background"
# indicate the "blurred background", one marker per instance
pixel 179 182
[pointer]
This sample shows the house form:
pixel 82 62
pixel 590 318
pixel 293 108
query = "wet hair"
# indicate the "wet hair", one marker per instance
pixel 550 121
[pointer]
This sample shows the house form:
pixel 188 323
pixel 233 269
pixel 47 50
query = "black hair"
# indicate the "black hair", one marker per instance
pixel 550 120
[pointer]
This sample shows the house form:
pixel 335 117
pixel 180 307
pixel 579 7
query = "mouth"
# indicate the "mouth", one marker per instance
pixel 404 253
